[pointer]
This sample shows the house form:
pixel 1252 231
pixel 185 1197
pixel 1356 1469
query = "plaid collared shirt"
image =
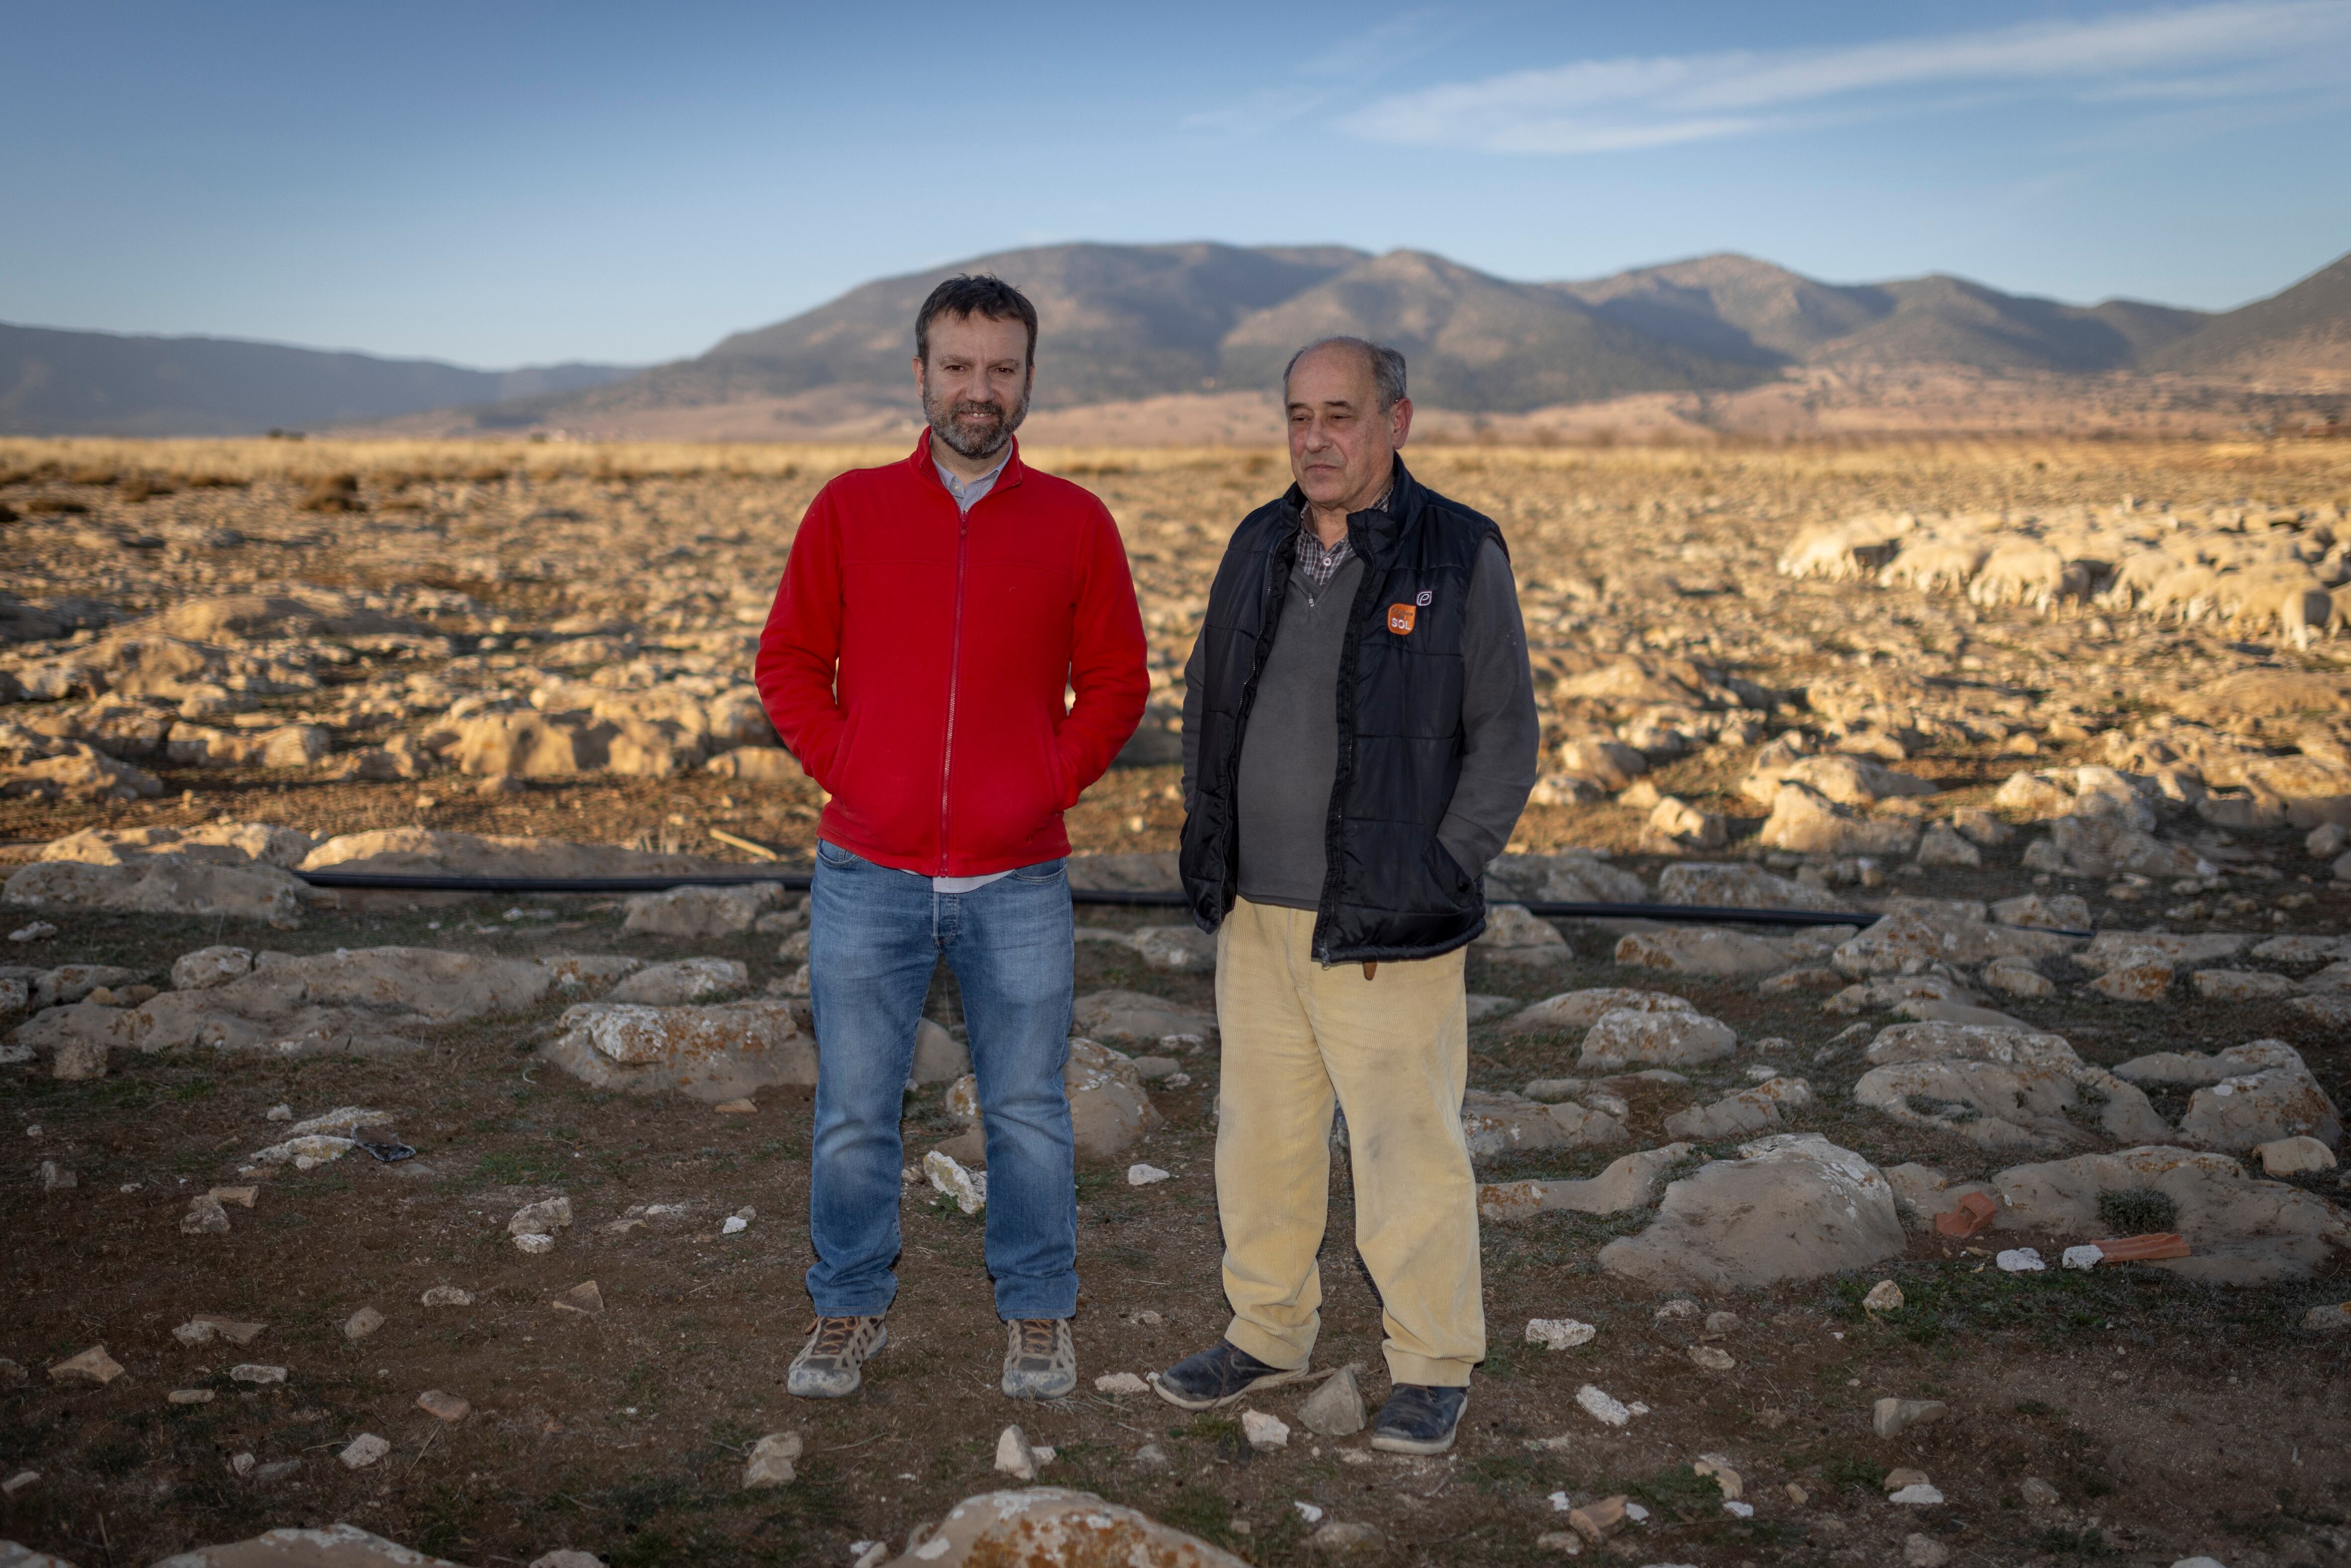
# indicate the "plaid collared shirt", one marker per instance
pixel 1320 561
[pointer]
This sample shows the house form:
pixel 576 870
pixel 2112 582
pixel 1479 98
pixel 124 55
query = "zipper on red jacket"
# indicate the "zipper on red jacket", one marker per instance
pixel 955 671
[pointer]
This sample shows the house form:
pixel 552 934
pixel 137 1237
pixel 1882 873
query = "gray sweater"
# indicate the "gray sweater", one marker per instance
pixel 1290 757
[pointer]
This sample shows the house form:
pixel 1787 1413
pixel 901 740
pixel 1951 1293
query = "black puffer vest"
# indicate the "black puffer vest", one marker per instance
pixel 1390 889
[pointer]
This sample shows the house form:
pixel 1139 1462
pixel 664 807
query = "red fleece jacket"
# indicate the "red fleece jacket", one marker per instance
pixel 916 662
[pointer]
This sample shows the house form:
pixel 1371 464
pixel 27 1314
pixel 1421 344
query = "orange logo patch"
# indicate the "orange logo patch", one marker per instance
pixel 1401 617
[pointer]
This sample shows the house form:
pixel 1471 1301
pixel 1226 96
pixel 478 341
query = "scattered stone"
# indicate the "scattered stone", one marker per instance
pixel 1340 1538
pixel 2294 1156
pixel 1632 1181
pixel 257 1373
pixel 1595 1522
pixel 2328 1319
pixel 968 1188
pixel 771 1461
pixel 51 1177
pixel 540 1218
pixel 1264 1431
pixel 1808 823
pixel 1891 1417
pixel 712 1053
pixel 1711 1358
pixel 1120 1383
pixel 1335 1409
pixel 1924 1551
pixel 1559 1333
pixel 695 913
pixel 1014 1457
pixel 1602 1407
pixel 1793 1207
pixel 1918 1494
pixel 443 1407
pixel 189 1397
pixel 1177 949
pixel 683 980
pixel 363 1450
pixel 2087 1256
pixel 1139 1175
pixel 2243 1232
pixel 565 1557
pixel 2017 977
pixel 92 1365
pixel 1050 1524
pixel 1748 1112
pixel 1135 1016
pixel 583 1298
pixel 362 1324
pixel 1885 1296
pixel 1656 1039
pixel 204 1329
pixel 447 1296
pixel 2020 1260
pixel 1514 936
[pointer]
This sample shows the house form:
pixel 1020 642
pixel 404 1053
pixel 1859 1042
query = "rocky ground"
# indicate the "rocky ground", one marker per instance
pixel 2052 737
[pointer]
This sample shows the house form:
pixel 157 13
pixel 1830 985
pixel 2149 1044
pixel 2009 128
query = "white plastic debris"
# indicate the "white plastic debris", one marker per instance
pixel 2020 1260
pixel 2085 1256
pixel 1561 1502
pixel 1559 1333
pixel 968 1188
pixel 1264 1431
pixel 1601 1407
pixel 1738 1509
pixel 1141 1175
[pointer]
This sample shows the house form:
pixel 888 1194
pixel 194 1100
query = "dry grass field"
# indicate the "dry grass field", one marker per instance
pixel 551 640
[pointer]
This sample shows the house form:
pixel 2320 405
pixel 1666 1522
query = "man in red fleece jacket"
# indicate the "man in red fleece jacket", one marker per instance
pixel 933 616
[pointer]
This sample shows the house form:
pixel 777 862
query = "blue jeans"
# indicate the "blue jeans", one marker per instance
pixel 875 937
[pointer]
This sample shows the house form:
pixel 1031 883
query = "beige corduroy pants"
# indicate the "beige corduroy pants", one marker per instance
pixel 1392 1050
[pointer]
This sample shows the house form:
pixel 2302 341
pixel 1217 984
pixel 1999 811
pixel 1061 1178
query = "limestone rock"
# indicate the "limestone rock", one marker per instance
pixel 1892 1417
pixel 939 1057
pixel 1134 1015
pixel 1846 780
pixel 683 980
pixel 221 843
pixel 92 1365
pixel 1808 823
pixel 1047 1526
pixel 208 966
pixel 1793 1207
pixel 1109 1110
pixel 1510 1123
pixel 1749 1112
pixel 2294 1156
pixel 1737 885
pixel 2143 976
pixel 1642 1039
pixel 1712 950
pixel 1943 845
pixel 1514 936
pixel 2279 1101
pixel 2244 1231
pixel 161 884
pixel 2111 947
pixel 2107 846
pixel 2063 911
pixel 694 913
pixel 711 1053
pixel 1177 949
pixel 336 1546
pixel 423 851
pixel 1573 876
pixel 2001 1088
pixel 1919 934
pixel 2241 984
pixel 771 1461
pixel 1630 1181
pixel 1582 1009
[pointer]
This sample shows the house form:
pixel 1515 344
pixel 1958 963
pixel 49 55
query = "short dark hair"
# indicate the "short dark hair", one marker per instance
pixel 985 295
pixel 1385 364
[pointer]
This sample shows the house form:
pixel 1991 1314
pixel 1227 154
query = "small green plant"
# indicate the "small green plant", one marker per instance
pixel 2133 1211
pixel 1854 1472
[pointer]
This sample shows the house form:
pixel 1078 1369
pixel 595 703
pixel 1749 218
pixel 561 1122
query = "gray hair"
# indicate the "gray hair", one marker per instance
pixel 1385 364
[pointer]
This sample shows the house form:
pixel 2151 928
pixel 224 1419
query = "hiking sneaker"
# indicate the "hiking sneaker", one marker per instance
pixel 1217 1376
pixel 1419 1418
pixel 827 1366
pixel 1041 1361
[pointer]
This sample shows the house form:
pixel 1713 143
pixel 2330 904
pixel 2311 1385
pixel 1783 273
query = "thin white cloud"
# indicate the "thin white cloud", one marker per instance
pixel 1594 106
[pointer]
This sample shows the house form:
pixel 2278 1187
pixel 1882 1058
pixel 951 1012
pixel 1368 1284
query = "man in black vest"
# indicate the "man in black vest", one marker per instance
pixel 1359 737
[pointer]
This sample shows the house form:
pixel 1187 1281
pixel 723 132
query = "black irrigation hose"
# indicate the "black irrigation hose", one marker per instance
pixel 1671 914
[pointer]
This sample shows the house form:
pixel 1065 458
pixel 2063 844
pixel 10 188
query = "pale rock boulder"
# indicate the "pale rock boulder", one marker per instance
pixel 1137 1016
pixel 588 971
pixel 1110 1112
pixel 939 1057
pixel 1630 1181
pixel 76 771
pixel 221 843
pixel 1048 1526
pixel 288 746
pixel 757 765
pixel 2003 1089
pixel 1503 1124
pixel 1714 950
pixel 694 913
pixel 362 1001
pixel 1177 949
pixel 2275 1097
pixel 2244 1231
pixel 161 884
pixel 1892 991
pixel 2092 791
pixel 2017 977
pixel 2241 984
pixel 2186 951
pixel 424 851
pixel 1922 934
pixel 2106 846
pixel 1943 845
pixel 1611 765
pixel 336 1546
pixel 1514 936
pixel 1793 1207
pixel 1808 823
pixel 1645 1038
pixel 1749 1112
pixel 1582 1009
pixel 683 980
pixel 1923 1192
pixel 1571 876
pixel 1737 885
pixel 1675 825
pixel 713 1054
pixel 1846 780
pixel 2043 911
pixel 72 982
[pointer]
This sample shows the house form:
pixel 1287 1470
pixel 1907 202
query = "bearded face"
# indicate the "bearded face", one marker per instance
pixel 977 428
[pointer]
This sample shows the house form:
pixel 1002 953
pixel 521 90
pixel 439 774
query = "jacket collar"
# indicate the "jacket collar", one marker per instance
pixel 1375 529
pixel 927 471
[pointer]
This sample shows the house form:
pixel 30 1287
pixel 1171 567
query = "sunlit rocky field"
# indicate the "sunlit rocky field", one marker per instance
pixel 1794 1232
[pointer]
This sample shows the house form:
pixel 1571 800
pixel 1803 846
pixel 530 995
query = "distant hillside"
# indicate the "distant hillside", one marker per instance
pixel 1738 307
pixel 2301 333
pixel 55 382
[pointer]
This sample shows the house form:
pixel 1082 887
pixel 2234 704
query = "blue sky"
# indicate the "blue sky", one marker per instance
pixel 503 183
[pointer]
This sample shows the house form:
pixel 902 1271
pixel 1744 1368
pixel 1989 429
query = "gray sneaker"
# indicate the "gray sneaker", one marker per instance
pixel 827 1366
pixel 1041 1361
